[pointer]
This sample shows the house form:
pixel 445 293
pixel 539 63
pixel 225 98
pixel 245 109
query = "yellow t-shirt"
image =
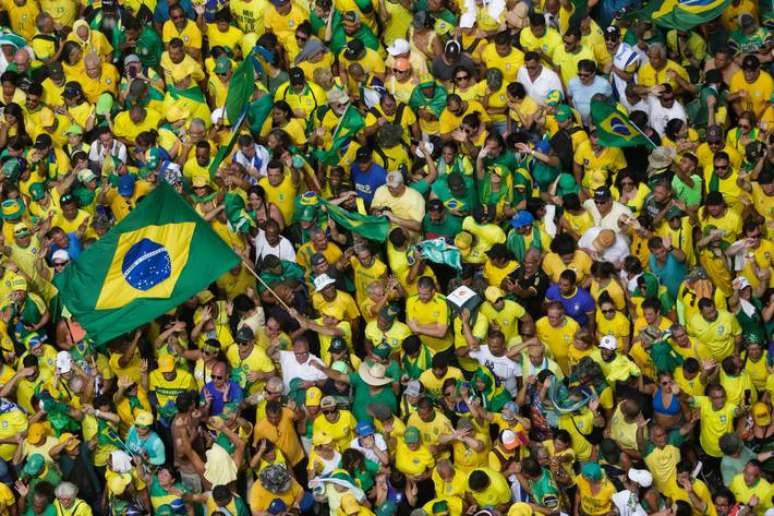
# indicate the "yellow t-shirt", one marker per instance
pixel 597 168
pixel 553 266
pixel 433 384
pixel 413 462
pixel 558 340
pixel 191 35
pixel 762 489
pixel 496 493
pixel 547 43
pixel 578 427
pixel 714 423
pixel 567 62
pixel 436 311
pixel 595 504
pixel 758 92
pixel 506 319
pixel 249 14
pixel 509 64
pixel 342 430
pixel 718 335
pixel 22 17
pixel 649 76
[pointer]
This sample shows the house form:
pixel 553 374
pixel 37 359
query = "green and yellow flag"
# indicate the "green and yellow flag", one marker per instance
pixel 156 258
pixel 349 124
pixel 369 226
pixel 614 129
pixel 687 14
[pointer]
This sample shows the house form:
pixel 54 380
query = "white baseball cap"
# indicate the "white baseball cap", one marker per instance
pixel 398 47
pixel 609 342
pixel 641 477
pixel 322 281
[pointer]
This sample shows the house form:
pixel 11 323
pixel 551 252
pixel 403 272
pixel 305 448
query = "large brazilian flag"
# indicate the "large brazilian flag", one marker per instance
pixel 156 258
pixel 614 129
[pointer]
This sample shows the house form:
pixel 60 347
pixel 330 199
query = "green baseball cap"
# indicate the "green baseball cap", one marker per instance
pixel 412 435
pixel 563 113
pixel 37 191
pixel 222 65
pixel 73 129
pixel 35 464
pixel 592 471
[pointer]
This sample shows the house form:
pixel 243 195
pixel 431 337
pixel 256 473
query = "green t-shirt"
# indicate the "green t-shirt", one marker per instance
pixel 448 227
pixel 691 196
pixel 464 203
pixel 363 397
pixel 149 47
pixel 545 491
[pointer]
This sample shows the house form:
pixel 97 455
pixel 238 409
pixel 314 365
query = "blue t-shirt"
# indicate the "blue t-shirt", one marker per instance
pixel 367 182
pixel 74 247
pixel 581 94
pixel 576 306
pixel 671 274
pixel 153 446
pixel 235 395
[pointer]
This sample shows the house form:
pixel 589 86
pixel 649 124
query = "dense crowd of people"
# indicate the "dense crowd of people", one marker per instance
pixel 462 289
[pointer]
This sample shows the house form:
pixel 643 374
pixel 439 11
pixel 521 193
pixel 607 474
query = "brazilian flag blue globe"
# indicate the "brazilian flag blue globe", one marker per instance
pixel 157 257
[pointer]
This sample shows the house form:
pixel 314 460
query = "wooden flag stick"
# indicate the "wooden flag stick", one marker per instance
pixel 250 269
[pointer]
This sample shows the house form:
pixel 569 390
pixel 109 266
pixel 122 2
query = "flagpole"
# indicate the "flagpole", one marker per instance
pixel 251 271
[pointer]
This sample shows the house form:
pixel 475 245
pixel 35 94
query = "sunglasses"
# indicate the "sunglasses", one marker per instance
pixel 599 203
pixel 217 377
pixel 60 264
pixel 328 411
pixel 462 77
pixel 608 311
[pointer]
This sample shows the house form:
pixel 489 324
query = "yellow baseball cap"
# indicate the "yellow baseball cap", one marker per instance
pixel 313 396
pixel 321 438
pixel 143 417
pixel 36 434
pixel 166 364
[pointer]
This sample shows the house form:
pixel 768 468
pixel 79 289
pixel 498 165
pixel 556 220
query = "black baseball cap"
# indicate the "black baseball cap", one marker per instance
pixel 43 141
pixel 296 75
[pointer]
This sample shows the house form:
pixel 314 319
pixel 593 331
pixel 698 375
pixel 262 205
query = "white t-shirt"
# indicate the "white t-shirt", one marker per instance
pixel 660 116
pixel 609 221
pixel 291 369
pixel 367 452
pixel 505 369
pixel 259 161
pixel 283 250
pixel 547 80
pixel 625 59
pixel 613 254
pixel 627 504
